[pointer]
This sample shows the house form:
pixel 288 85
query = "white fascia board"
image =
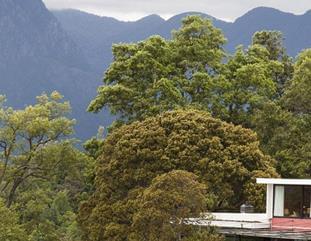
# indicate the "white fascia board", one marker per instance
pixel 282 181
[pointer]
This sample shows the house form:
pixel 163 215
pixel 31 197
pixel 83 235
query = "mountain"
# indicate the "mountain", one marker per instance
pixel 37 55
pixel 295 28
pixel 101 32
pixel 69 50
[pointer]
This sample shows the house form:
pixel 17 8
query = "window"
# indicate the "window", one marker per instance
pixel 306 202
pixel 279 201
pixel 292 201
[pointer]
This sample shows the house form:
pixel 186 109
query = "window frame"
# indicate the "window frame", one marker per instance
pixel 301 206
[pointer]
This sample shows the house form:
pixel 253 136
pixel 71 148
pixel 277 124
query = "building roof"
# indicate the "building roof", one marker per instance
pixel 283 181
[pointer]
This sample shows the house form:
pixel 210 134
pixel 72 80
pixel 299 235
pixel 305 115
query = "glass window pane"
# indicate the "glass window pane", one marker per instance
pixel 307 202
pixel 279 201
pixel 293 198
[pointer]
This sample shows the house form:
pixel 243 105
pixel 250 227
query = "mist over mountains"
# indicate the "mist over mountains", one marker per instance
pixel 69 50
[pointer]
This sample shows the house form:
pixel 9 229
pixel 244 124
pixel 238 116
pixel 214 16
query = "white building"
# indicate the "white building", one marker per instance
pixel 287 216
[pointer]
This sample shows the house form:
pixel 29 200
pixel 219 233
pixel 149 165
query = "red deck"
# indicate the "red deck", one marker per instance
pixel 291 224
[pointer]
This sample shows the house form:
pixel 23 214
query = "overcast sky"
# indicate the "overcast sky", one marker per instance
pixel 134 9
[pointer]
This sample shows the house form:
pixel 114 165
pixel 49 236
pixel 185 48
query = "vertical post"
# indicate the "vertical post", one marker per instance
pixel 269 201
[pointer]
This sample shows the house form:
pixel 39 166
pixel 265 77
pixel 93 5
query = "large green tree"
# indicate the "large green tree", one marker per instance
pixel 297 95
pixel 31 143
pixel 225 157
pixel 157 75
pixel 42 174
pixel 284 125
pixel 273 42
pixel 192 69
pixel 286 137
pixel 165 206
pixel 248 83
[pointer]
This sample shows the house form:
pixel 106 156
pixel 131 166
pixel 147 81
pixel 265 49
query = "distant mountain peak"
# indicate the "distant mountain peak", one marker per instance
pixel 265 11
pixel 151 18
pixel 185 14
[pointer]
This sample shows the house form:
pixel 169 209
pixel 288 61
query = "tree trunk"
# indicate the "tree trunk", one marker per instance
pixel 11 196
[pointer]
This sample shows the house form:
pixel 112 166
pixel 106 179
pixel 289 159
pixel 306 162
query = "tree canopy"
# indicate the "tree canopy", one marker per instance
pixel 165 206
pixel 179 147
pixel 192 69
pixel 284 125
pixel 41 171
pixel 226 158
pixel 157 75
pixel 10 229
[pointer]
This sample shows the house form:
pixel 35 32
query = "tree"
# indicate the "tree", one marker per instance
pixel 248 84
pixel 297 95
pixel 165 206
pixel 226 158
pixel 10 229
pixel 31 142
pixel 157 75
pixel 273 42
pixel 286 137
pixel 42 174
pixel 284 125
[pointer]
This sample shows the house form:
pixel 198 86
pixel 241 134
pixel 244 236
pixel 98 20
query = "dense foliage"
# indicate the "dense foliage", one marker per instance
pixel 41 172
pixel 259 87
pixel 165 206
pixel 195 127
pixel 157 75
pixel 226 158
pixel 284 125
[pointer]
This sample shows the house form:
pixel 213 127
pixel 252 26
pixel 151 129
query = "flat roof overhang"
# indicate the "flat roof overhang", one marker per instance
pixel 284 181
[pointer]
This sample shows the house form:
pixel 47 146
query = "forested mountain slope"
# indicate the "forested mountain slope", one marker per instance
pixel 69 50
pixel 37 55
pixel 97 34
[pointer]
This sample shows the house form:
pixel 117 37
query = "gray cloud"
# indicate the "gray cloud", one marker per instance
pixel 133 9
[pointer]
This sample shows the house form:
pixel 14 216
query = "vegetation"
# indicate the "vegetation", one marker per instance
pixel 158 75
pixel 10 229
pixel 165 206
pixel 284 125
pixel 226 158
pixel 195 127
pixel 41 172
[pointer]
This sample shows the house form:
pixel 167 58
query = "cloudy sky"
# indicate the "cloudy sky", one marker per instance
pixel 134 9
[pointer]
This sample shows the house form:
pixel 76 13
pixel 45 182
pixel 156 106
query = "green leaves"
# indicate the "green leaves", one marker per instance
pixel 165 205
pixel 158 75
pixel 10 229
pixel 283 126
pixel 134 157
pixel 41 172
pixel 192 70
pixel 297 95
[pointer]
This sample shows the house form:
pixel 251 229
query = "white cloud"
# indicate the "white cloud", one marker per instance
pixel 133 9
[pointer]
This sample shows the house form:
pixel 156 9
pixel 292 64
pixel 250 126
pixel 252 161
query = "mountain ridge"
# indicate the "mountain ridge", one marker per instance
pixel 37 55
pixel 69 50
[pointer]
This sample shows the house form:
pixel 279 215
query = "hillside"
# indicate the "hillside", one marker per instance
pixel 69 50
pixel 37 55
pixel 97 34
